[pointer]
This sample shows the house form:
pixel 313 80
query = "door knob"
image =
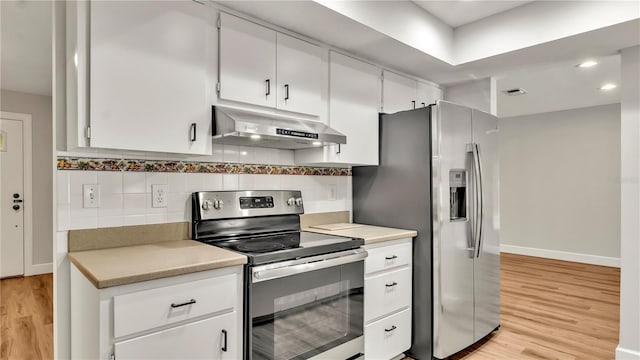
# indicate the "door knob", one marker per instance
pixel 16 207
pixel 16 195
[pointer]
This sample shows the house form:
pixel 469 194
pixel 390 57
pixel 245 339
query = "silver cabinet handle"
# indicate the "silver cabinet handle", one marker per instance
pixel 224 344
pixel 190 302
pixel 268 83
pixel 193 132
pixel 390 329
pixel 391 257
pixel 391 285
pixel 286 92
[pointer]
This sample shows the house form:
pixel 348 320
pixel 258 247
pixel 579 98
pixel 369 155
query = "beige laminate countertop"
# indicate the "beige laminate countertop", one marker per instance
pixel 130 264
pixel 370 234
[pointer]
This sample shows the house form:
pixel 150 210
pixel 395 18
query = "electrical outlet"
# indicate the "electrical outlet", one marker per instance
pixel 90 196
pixel 158 196
pixel 333 192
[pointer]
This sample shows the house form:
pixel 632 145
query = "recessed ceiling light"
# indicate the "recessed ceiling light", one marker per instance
pixel 588 64
pixel 317 143
pixel 243 153
pixel 608 86
pixel 255 136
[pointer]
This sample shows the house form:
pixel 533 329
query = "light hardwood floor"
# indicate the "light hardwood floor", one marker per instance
pixel 26 318
pixel 550 310
pixel 553 309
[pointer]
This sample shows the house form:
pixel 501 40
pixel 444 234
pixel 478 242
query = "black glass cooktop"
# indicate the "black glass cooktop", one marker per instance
pixel 287 245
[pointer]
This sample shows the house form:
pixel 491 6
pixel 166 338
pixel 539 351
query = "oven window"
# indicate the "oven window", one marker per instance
pixel 300 316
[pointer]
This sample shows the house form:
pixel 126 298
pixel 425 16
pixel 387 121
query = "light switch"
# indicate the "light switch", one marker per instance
pixel 159 195
pixel 90 196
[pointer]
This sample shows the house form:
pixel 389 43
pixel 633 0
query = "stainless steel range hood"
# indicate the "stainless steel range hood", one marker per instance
pixel 251 128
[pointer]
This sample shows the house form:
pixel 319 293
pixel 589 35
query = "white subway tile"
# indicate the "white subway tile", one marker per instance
pixel 231 153
pixel 135 204
pixel 155 178
pixel 178 202
pixel 110 221
pixel 177 182
pixel 176 217
pixel 62 187
pixel 230 182
pixel 195 182
pixel 134 220
pixel 84 222
pixel 213 182
pixel 156 218
pixel 79 178
pixel 247 182
pixel 218 153
pixel 266 182
pixel 284 157
pixel 246 154
pixel 110 205
pixel 134 183
pixel 110 182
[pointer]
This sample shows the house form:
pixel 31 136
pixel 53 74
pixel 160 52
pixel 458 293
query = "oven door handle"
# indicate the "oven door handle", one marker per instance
pixel 294 267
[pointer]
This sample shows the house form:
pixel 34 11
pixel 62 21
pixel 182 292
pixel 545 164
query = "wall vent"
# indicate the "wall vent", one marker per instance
pixel 515 92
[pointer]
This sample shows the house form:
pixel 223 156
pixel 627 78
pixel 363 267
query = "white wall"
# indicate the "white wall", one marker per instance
pixel 39 107
pixel 560 185
pixel 478 94
pixel 629 346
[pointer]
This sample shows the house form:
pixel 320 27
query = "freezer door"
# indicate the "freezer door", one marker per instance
pixel 453 246
pixel 487 257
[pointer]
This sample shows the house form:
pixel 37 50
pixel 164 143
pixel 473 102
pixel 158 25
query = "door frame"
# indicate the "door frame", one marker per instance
pixel 27 153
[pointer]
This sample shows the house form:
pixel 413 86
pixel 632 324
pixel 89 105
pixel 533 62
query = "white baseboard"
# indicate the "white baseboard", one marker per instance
pixel 626 354
pixel 37 269
pixel 561 255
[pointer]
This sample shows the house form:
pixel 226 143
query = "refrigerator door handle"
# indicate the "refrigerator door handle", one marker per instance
pixel 480 197
pixel 472 203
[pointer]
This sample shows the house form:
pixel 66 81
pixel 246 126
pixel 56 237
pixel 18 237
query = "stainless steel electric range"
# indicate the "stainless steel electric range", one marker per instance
pixel 304 294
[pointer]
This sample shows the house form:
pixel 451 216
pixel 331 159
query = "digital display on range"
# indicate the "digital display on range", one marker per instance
pixel 256 202
pixel 297 133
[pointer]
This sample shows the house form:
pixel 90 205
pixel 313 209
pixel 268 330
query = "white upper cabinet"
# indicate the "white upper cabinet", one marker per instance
pixel 261 67
pixel 151 82
pixel 247 62
pixel 354 103
pixel 401 93
pixel 298 75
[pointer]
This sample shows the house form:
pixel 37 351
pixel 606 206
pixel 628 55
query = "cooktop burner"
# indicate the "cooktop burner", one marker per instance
pixel 287 246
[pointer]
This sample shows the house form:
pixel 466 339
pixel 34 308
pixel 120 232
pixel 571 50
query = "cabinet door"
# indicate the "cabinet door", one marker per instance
pixel 398 93
pixel 427 94
pixel 151 86
pixel 354 99
pixel 204 339
pixel 247 62
pixel 298 72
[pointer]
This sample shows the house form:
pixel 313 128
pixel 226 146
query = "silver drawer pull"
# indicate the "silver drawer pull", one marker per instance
pixel 190 302
pixel 391 257
pixel 390 329
pixel 391 285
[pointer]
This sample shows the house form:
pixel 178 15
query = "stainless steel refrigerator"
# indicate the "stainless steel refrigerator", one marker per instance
pixel 438 174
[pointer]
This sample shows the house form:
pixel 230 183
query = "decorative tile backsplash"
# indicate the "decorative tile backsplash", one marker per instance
pixel 174 166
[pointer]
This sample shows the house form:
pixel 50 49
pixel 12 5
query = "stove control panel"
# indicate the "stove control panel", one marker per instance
pixel 256 202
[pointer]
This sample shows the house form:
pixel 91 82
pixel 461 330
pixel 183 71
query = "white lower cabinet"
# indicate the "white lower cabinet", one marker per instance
pixel 387 299
pixel 192 316
pixel 205 339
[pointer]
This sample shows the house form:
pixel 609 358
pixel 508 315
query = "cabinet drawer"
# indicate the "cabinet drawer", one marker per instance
pixel 147 309
pixel 388 257
pixel 388 337
pixel 213 338
pixel 387 293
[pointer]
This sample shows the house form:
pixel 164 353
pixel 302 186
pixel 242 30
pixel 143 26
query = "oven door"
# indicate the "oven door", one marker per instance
pixel 303 308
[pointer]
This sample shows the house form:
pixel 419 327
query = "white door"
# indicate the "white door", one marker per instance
pixel 299 70
pixel 247 62
pixel 213 338
pixel 398 93
pixel 12 213
pixel 151 85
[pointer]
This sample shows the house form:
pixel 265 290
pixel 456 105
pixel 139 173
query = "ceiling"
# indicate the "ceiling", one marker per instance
pixel 559 86
pixel 25 61
pixel 460 12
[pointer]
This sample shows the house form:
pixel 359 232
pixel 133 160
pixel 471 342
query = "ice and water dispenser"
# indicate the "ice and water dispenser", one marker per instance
pixel 458 194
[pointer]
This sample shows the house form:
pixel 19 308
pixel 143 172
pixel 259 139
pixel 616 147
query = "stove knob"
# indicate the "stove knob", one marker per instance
pixel 206 205
pixel 299 201
pixel 257 275
pixel 218 204
pixel 291 201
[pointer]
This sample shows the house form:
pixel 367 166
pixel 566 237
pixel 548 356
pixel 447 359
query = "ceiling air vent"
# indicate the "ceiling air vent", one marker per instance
pixel 515 92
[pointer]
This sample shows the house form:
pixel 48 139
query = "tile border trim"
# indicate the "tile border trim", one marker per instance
pixel 178 166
